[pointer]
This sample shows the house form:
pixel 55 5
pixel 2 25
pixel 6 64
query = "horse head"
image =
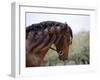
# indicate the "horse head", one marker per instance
pixel 65 36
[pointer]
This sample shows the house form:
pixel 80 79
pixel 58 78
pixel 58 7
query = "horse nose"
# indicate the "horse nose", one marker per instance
pixel 62 57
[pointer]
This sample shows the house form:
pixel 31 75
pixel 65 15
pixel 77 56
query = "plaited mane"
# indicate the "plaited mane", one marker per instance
pixel 43 25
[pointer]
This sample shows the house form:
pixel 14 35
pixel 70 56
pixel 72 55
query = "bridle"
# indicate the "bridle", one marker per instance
pixel 60 52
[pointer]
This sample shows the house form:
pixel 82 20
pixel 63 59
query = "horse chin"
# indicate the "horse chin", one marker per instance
pixel 65 60
pixel 62 58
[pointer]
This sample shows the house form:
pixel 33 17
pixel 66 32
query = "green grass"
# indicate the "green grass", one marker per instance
pixel 78 53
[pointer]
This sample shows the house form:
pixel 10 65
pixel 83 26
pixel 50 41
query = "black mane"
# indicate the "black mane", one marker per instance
pixel 43 25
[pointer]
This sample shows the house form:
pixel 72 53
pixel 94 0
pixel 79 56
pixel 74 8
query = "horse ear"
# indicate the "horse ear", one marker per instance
pixel 65 26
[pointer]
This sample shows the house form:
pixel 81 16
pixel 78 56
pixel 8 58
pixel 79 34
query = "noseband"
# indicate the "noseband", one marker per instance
pixel 60 52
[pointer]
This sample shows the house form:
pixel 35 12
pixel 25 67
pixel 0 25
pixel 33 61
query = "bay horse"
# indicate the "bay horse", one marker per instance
pixel 40 37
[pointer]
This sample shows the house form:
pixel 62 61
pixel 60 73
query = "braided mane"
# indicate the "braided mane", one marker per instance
pixel 46 24
pixel 43 25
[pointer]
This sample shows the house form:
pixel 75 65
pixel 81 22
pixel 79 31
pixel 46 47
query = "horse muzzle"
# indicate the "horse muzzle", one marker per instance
pixel 62 57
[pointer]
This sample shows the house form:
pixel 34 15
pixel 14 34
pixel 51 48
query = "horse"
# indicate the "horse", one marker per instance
pixel 40 37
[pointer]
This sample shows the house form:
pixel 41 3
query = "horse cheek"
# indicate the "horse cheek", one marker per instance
pixel 66 49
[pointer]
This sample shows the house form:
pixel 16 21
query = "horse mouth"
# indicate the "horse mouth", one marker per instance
pixel 63 58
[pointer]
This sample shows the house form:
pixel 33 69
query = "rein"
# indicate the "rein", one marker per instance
pixel 53 49
pixel 60 53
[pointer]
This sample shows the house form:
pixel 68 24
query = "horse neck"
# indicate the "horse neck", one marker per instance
pixel 45 49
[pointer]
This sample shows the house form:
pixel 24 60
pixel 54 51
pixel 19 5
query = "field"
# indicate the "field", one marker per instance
pixel 78 53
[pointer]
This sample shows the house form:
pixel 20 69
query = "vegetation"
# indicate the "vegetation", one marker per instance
pixel 78 53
